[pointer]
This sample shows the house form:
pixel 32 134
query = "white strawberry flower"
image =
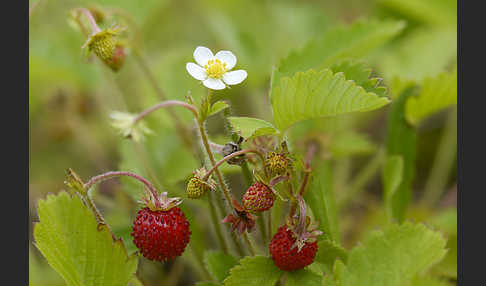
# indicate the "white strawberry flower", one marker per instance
pixel 214 70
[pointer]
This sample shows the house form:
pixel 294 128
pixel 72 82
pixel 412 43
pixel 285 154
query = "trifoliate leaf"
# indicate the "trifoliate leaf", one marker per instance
pixel 392 257
pixel 249 127
pixel 218 264
pixel 436 94
pixel 391 177
pixel 320 198
pixel 303 277
pixel 328 252
pixel 254 271
pixel 217 107
pixel 314 94
pixel 401 140
pixel 83 252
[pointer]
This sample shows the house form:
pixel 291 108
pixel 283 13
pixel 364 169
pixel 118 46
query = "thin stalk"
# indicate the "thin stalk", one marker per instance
pixel 91 20
pixel 248 243
pixel 96 211
pixel 182 131
pixel 232 155
pixel 113 174
pixel 443 162
pixel 219 176
pixel 167 103
pixel 216 224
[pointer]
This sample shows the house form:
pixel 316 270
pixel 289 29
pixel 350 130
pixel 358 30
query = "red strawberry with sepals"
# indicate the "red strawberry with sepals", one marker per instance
pixel 294 246
pixel 161 230
pixel 258 198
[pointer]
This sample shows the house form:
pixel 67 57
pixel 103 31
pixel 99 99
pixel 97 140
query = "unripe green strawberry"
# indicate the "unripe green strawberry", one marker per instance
pixel 277 163
pixel 258 198
pixel 106 45
pixel 197 186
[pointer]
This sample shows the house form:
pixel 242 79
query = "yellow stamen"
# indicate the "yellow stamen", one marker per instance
pixel 215 68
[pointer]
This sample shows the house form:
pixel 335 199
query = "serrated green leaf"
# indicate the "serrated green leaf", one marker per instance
pixel 249 127
pixel 303 277
pixel 401 140
pixel 391 177
pixel 217 107
pixel 337 44
pixel 328 252
pixel 392 257
pixel 81 251
pixel 447 222
pixel 350 143
pixel 436 94
pixel 218 264
pixel 320 198
pixel 360 73
pixel 254 271
pixel 313 94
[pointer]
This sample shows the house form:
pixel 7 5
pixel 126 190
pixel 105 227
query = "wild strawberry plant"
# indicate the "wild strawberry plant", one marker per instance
pixel 283 222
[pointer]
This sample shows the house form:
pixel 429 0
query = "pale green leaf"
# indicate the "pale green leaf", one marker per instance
pixel 401 140
pixel 436 94
pixel 303 277
pixel 314 94
pixel 254 271
pixel 320 198
pixel 328 252
pixel 217 107
pixel 249 127
pixel 392 257
pixel 81 251
pixel 218 264
pixel 391 177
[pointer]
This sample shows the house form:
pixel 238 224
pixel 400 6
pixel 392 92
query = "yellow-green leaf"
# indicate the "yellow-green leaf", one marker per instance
pixel 83 252
pixel 314 94
pixel 437 93
pixel 249 127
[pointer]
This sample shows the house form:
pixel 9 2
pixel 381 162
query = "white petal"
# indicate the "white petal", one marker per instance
pixel 234 77
pixel 226 57
pixel 202 55
pixel 214 83
pixel 196 71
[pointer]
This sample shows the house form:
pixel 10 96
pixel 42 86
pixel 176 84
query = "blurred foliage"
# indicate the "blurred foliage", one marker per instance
pixel 71 97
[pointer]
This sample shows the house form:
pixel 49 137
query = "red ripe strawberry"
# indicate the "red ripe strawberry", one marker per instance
pixel 258 198
pixel 161 230
pixel 287 255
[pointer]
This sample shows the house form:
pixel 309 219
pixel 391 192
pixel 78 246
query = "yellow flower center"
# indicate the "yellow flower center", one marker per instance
pixel 215 68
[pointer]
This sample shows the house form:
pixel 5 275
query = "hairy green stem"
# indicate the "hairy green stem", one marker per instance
pixel 248 243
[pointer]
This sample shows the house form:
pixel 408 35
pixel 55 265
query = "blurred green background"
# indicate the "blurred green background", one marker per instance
pixel 71 96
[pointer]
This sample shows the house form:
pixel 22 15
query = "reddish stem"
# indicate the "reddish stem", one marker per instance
pixel 166 104
pixel 112 174
pixel 231 156
pixel 91 20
